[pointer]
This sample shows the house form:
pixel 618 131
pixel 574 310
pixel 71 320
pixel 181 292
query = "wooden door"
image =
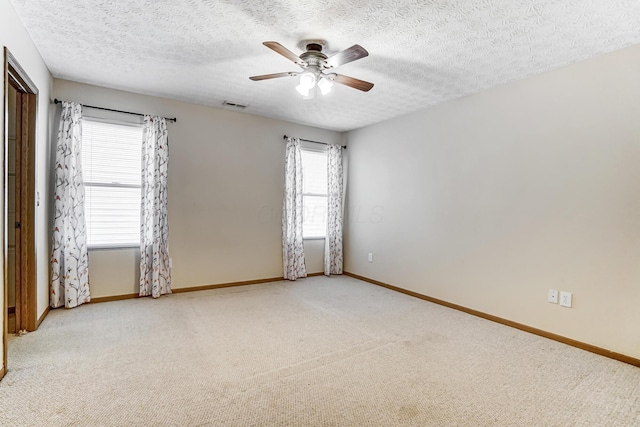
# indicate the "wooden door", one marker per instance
pixel 25 200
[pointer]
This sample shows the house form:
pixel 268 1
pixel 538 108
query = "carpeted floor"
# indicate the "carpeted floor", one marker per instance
pixel 315 352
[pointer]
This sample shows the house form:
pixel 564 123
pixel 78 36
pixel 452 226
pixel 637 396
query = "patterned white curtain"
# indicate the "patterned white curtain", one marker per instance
pixel 333 240
pixel 155 272
pixel 292 244
pixel 69 258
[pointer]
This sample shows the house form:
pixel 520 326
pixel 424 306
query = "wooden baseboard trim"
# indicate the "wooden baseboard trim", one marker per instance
pixel 197 288
pixel 113 298
pixel 194 289
pixel 226 285
pixel 2 372
pixel 569 341
pixel 41 318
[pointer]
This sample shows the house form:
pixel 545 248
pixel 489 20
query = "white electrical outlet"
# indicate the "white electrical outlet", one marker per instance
pixel 553 296
pixel 565 299
pixel 370 258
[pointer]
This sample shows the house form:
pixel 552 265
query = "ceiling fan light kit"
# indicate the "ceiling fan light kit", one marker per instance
pixel 310 83
pixel 307 82
pixel 314 65
pixel 325 85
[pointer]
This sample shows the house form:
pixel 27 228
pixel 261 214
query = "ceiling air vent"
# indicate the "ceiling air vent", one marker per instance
pixel 233 105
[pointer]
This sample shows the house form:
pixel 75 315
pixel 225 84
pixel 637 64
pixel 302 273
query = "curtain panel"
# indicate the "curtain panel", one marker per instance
pixel 69 257
pixel 333 239
pixel 292 243
pixel 155 271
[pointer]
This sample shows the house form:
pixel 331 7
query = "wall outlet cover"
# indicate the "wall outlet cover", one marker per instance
pixel 553 296
pixel 565 299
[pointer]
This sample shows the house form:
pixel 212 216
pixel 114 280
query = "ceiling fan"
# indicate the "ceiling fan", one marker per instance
pixel 316 68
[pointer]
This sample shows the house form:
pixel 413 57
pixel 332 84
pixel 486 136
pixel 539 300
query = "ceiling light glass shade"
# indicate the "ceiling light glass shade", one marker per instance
pixel 307 80
pixel 325 85
pixel 302 90
pixel 312 93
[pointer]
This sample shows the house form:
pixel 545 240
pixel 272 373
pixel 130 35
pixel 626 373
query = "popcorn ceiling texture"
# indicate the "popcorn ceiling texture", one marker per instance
pixel 421 52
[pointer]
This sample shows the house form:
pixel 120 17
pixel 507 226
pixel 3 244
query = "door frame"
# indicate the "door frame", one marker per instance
pixel 26 286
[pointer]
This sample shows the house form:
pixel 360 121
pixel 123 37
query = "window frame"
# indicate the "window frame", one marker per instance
pixel 110 121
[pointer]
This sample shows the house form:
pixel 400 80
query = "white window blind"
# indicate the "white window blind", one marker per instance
pixel 314 193
pixel 111 168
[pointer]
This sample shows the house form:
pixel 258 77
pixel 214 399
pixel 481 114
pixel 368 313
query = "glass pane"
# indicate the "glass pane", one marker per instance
pixel 112 215
pixel 314 172
pixel 111 153
pixel 314 217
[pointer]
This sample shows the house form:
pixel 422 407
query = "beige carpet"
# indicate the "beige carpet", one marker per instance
pixel 316 352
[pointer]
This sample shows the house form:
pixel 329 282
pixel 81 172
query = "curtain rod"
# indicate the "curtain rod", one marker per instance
pixel 317 142
pixel 57 101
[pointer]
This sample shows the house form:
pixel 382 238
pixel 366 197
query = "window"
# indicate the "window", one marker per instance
pixel 111 168
pixel 314 194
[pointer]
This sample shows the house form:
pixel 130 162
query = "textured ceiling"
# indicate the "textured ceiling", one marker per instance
pixel 421 52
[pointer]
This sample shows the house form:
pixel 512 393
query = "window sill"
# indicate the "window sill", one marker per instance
pixel 313 238
pixel 112 247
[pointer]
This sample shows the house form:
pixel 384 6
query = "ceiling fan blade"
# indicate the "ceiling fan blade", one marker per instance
pixel 354 83
pixel 278 48
pixel 272 76
pixel 348 55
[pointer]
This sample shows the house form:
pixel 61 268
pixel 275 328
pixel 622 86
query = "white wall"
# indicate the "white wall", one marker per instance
pixel 14 36
pixel 226 177
pixel 490 200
